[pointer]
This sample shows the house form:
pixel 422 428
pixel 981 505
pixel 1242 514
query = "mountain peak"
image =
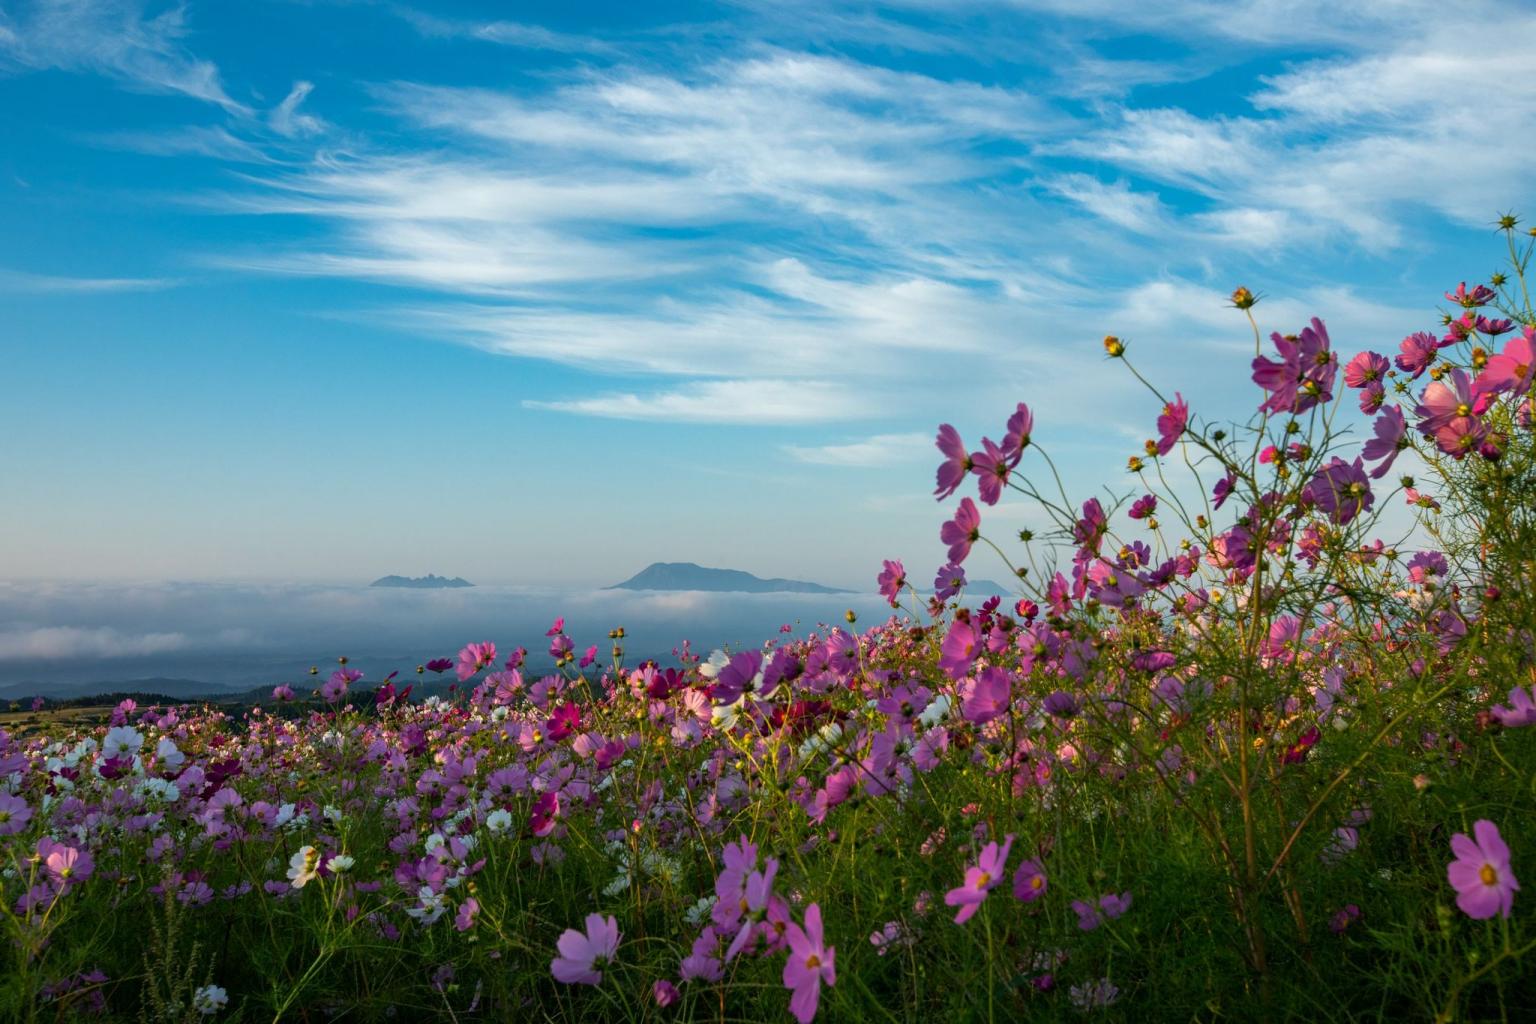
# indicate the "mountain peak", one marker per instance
pixel 690 576
pixel 427 582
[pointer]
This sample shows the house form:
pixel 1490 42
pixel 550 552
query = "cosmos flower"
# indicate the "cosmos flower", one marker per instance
pixel 811 963
pixel 1480 874
pixel 962 531
pixel 979 880
pixel 1172 424
pixel 581 955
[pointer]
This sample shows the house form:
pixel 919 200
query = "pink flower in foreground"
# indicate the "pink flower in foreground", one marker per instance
pixel 891 580
pixel 957 462
pixel 582 955
pixel 986 696
pixel 65 864
pixel 475 657
pixel 1511 370
pixel 282 692
pixel 810 963
pixel 1480 873
pixel 962 531
pixel 1172 424
pixel 979 880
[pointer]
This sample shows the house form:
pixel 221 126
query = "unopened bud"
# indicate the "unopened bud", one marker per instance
pixel 1114 346
pixel 1242 298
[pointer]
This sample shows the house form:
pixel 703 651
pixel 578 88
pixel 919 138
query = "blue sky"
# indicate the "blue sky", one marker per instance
pixel 540 293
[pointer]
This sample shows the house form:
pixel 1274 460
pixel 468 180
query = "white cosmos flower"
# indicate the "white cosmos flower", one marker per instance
pixel 122 741
pixel 303 867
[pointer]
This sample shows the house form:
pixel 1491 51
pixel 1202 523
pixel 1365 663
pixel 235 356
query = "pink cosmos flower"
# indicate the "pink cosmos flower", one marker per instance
pixel 582 955
pixel 811 962
pixel 1480 873
pixel 1480 295
pixel 986 696
pixel 1521 711
pixel 992 466
pixel 1029 882
pixel 948 582
pixel 1366 369
pixel 1172 424
pixel 1511 370
pixel 979 880
pixel 475 657
pixel 957 462
pixel 1110 906
pixel 282 692
pixel 65 864
pixel 1016 437
pixel 1442 402
pixel 962 531
pixel 959 649
pixel 1304 375
pixel 1143 506
pixel 1417 352
pixel 891 580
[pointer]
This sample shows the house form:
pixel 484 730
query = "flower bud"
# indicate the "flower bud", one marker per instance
pixel 1114 346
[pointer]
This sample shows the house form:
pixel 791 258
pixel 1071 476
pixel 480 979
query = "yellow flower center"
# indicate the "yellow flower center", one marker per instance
pixel 1487 875
pixel 1036 882
pixel 983 880
pixel 813 961
pixel 1463 409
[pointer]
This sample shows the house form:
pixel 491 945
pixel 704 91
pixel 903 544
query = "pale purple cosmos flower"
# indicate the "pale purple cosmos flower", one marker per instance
pixel 14 814
pixel 948 582
pixel 582 954
pixel 1480 874
pixel 1521 711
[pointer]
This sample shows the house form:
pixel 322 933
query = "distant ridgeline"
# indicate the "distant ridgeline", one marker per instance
pixel 688 576
pixel 428 582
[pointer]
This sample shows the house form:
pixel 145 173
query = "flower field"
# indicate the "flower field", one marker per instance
pixel 1253 741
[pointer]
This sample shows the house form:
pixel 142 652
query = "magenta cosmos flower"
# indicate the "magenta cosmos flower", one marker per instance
pixel 1172 423
pixel 979 880
pixel 65 864
pixel 1480 873
pixel 811 962
pixel 1366 369
pixel 962 531
pixel 582 955
pixel 1416 352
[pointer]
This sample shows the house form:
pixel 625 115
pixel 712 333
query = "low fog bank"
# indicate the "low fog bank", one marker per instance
pixel 243 635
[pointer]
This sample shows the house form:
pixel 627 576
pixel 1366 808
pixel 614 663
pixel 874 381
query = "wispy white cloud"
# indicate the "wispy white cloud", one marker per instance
pixel 118 38
pixel 755 402
pixel 287 121
pixel 506 33
pixel 212 141
pixel 879 450
pixel 24 281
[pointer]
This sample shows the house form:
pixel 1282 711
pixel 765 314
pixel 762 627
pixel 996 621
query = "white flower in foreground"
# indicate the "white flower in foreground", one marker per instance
pixel 935 713
pixel 304 866
pixel 210 999
pixel 167 753
pixel 340 864
pixel 498 821
pixel 122 741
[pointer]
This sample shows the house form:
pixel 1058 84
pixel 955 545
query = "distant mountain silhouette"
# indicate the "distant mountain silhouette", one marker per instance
pixel 986 588
pixel 428 582
pixel 178 689
pixel 688 576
